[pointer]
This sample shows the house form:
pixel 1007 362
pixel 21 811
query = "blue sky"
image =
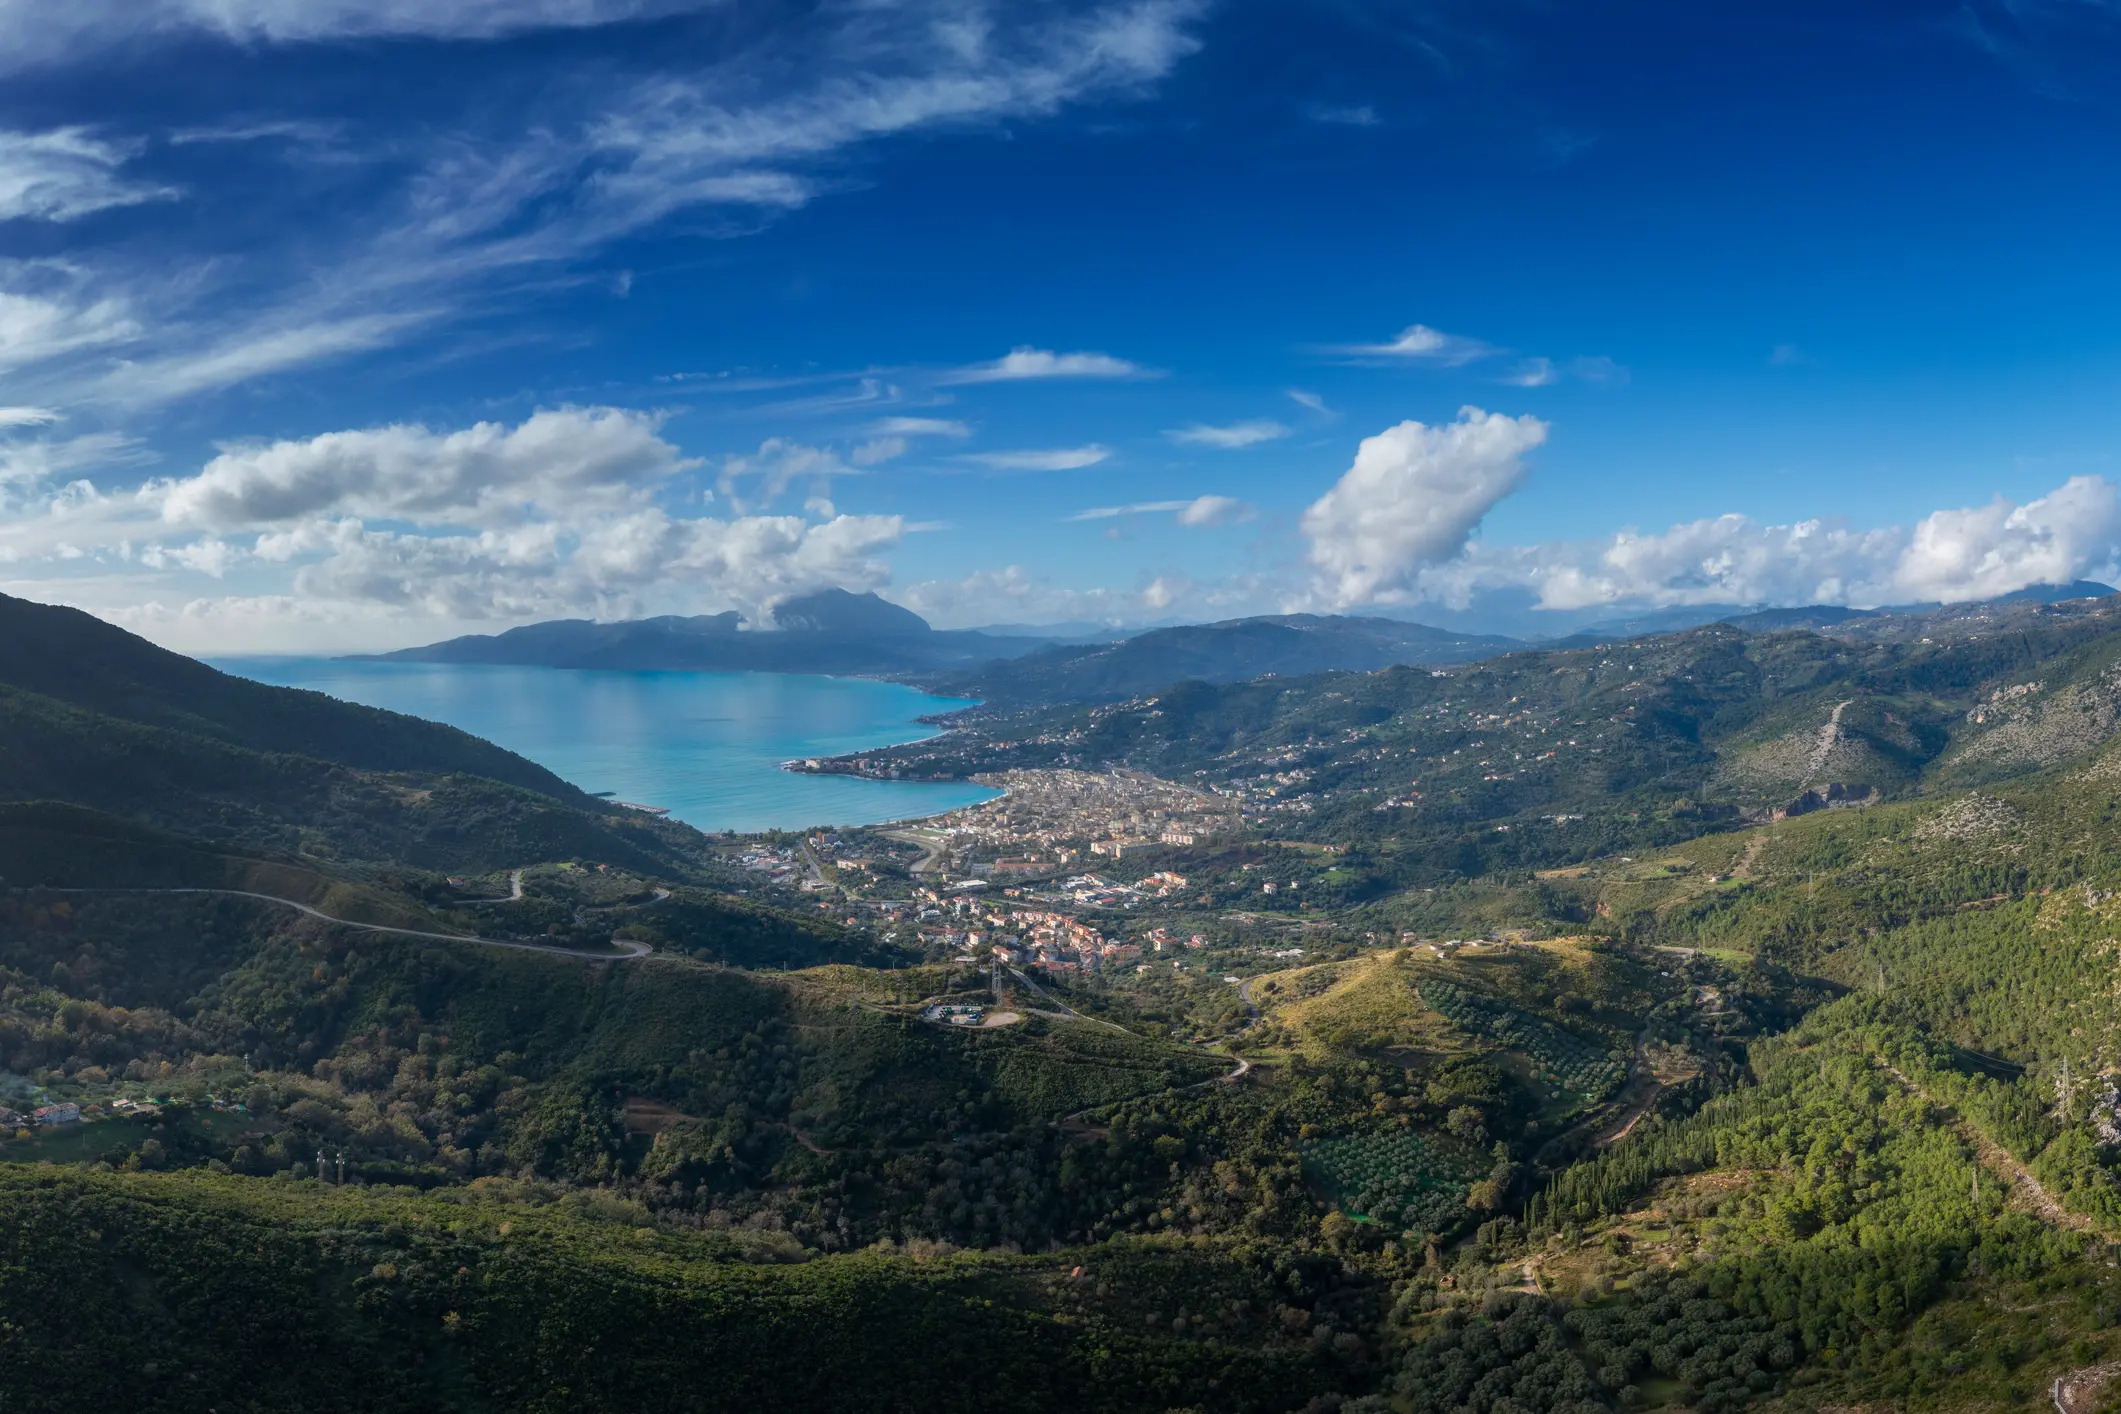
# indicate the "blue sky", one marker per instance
pixel 353 323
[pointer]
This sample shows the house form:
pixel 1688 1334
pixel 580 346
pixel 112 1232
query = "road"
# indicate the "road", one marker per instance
pixel 629 948
pixel 514 894
pixel 935 848
pixel 1068 1011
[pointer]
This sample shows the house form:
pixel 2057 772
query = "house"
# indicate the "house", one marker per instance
pixel 66 1113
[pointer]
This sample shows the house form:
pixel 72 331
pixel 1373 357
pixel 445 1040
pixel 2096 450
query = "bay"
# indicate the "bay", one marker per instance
pixel 708 747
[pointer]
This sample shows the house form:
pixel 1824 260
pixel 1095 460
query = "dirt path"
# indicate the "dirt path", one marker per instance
pixel 2002 1163
pixel 1744 868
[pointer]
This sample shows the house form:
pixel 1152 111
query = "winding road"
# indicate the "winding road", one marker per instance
pixel 629 949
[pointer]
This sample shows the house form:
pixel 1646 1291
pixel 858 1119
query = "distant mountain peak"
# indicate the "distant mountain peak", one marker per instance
pixel 844 615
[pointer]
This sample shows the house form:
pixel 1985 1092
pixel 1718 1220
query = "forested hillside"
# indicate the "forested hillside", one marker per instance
pixel 1704 1100
pixel 95 717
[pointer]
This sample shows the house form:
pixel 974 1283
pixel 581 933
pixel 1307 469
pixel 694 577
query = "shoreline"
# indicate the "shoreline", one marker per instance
pixel 904 731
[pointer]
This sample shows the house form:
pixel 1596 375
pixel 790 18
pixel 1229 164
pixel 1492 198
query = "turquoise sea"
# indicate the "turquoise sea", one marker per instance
pixel 708 746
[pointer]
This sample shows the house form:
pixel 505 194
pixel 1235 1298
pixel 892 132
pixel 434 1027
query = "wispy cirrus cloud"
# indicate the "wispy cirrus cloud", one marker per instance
pixel 403 238
pixel 1041 459
pixel 1231 437
pixel 920 427
pixel 64 174
pixel 1598 372
pixel 1199 511
pixel 1418 343
pixel 1026 364
pixel 33 32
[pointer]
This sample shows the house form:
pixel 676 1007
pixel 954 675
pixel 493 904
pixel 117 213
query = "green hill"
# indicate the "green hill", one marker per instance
pixel 96 717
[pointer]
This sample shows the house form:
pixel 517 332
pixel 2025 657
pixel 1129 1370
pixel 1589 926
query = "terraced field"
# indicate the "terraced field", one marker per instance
pixel 1582 1066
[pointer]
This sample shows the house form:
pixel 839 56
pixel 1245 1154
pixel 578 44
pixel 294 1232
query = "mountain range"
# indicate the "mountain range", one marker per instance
pixel 830 631
pixel 833 631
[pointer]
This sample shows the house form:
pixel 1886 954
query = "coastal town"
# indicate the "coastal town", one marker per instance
pixel 1069 873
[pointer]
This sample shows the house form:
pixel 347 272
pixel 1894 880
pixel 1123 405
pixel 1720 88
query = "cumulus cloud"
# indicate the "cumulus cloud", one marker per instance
pixel 1411 501
pixel 1050 459
pixel 1025 363
pixel 563 461
pixel 65 174
pixel 1980 552
pixel 1418 343
pixel 1949 556
pixel 1230 438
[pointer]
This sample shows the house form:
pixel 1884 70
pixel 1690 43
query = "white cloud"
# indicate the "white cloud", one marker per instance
pixel 1201 511
pixel 1598 371
pixel 1950 555
pixel 41 461
pixel 37 31
pixel 1418 343
pixel 730 141
pixel 776 465
pixel 26 417
pixel 1412 499
pixel 919 427
pixel 894 437
pixel 1980 552
pixel 379 589
pixel 1137 509
pixel 1028 363
pixel 1214 510
pixel 1313 401
pixel 1231 438
pixel 37 328
pixel 1053 459
pixel 245 353
pixel 878 450
pixel 64 174
pixel 556 462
